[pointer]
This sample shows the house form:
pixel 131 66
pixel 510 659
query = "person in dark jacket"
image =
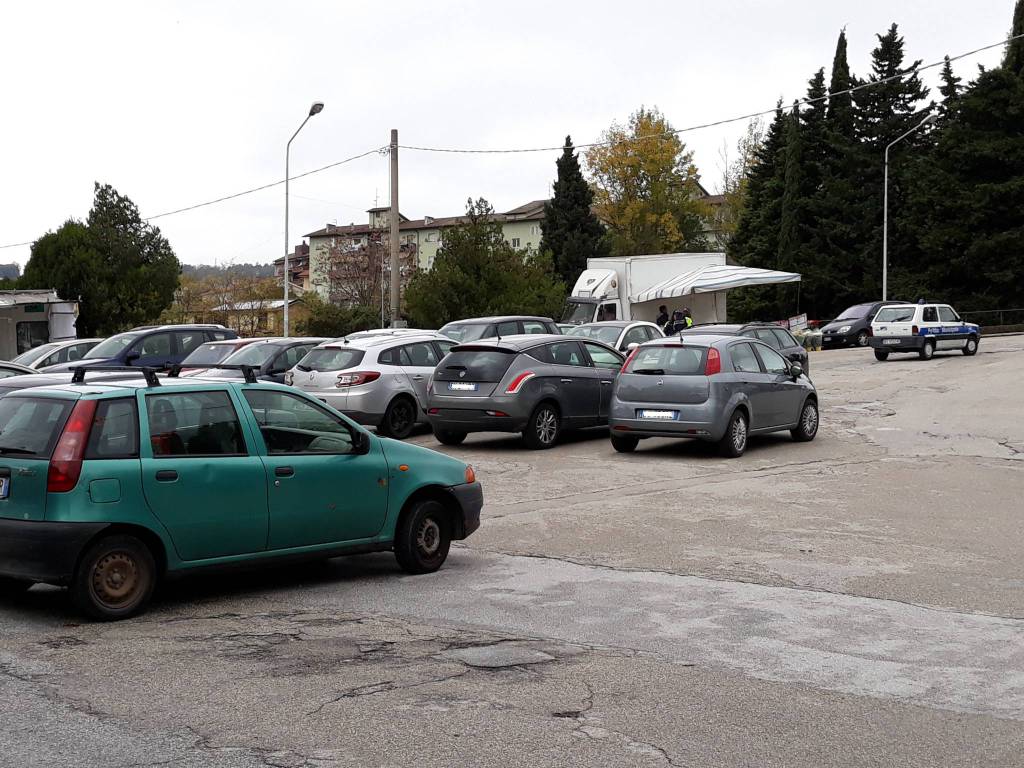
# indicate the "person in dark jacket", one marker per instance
pixel 662 316
pixel 677 323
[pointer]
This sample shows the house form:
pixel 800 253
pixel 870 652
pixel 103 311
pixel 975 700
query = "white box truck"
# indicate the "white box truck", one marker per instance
pixel 633 287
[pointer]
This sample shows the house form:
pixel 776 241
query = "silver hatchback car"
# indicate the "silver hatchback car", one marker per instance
pixel 379 381
pixel 710 387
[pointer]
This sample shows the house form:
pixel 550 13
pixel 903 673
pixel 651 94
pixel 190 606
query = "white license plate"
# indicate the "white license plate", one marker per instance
pixel 890 341
pixel 5 487
pixel 461 386
pixel 664 415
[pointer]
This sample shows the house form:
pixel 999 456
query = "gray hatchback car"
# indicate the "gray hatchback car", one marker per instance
pixel 710 387
pixel 539 385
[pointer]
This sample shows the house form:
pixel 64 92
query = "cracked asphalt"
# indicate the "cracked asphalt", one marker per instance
pixel 855 601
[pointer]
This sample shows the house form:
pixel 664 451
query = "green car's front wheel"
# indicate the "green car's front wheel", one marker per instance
pixel 423 537
pixel 114 579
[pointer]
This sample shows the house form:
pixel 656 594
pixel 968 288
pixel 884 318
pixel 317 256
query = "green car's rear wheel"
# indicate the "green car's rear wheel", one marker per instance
pixel 423 537
pixel 114 579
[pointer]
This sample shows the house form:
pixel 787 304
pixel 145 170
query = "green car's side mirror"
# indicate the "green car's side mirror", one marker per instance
pixel 360 443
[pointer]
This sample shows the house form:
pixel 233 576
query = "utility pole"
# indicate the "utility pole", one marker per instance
pixel 396 276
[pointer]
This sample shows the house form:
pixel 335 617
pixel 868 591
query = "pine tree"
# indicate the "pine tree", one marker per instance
pixel 570 231
pixel 839 117
pixel 967 196
pixel 791 229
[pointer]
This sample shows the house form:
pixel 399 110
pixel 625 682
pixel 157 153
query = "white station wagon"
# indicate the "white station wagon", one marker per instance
pixel 921 328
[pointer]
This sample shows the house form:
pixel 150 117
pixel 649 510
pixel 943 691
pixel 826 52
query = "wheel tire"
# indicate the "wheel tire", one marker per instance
pixel 543 428
pixel 971 347
pixel 444 437
pixel 399 418
pixel 807 427
pixel 10 587
pixel 927 351
pixel 625 444
pixel 881 355
pixel 114 578
pixel 734 441
pixel 862 339
pixel 423 537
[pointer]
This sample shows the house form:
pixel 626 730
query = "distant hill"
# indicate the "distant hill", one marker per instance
pixel 201 271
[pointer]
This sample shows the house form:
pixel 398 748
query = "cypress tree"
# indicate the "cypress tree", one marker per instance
pixel 570 231
pixel 1013 61
pixel 839 118
pixel 791 220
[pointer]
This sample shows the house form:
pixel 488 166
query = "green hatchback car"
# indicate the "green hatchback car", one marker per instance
pixel 109 487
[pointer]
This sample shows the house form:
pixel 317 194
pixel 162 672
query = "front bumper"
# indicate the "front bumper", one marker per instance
pixel 43 551
pixel 897 343
pixel 832 340
pixel 470 498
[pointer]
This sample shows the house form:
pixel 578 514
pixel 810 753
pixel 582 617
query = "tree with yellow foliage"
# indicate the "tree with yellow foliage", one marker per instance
pixel 646 189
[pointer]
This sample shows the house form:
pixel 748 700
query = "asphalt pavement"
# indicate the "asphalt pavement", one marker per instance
pixel 854 601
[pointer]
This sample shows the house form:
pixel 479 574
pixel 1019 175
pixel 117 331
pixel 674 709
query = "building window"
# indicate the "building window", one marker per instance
pixel 515 242
pixel 535 229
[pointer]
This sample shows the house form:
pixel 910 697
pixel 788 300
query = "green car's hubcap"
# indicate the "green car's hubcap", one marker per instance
pixel 428 539
pixel 115 579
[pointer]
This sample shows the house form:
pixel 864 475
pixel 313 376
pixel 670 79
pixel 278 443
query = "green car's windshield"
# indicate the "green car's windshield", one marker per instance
pixel 112 347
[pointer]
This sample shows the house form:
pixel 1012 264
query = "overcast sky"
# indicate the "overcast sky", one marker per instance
pixel 179 103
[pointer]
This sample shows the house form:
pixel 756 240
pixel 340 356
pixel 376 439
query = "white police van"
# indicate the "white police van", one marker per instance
pixel 921 328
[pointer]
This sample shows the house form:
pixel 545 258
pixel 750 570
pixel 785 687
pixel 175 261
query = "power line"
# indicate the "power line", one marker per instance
pixel 242 193
pixel 726 121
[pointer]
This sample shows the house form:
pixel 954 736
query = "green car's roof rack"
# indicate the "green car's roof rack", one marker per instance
pixel 248 371
pixel 147 372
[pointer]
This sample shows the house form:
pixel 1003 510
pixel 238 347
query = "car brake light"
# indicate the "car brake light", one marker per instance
pixel 913 330
pixel 518 382
pixel 66 463
pixel 714 362
pixel 356 378
pixel 629 358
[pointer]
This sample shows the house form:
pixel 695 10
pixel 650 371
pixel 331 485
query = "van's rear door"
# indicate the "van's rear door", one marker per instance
pixel 894 321
pixel 30 426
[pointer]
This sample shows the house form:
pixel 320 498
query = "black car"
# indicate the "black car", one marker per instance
pixel 853 326
pixel 273 358
pixel 157 346
pixel 775 336
pixel 477 328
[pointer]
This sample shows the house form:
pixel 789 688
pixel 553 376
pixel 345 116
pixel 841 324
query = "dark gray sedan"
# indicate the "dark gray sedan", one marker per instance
pixel 710 387
pixel 539 385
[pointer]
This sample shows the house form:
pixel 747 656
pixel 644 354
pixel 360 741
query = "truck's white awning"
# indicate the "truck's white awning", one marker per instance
pixel 714 278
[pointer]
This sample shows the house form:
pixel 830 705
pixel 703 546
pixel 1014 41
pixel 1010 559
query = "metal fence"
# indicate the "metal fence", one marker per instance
pixel 995 317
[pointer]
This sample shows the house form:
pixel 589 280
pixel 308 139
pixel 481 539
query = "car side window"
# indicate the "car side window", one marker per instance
pixel 389 357
pixel 766 335
pixel 194 424
pixel 947 315
pixel 75 352
pixel 636 335
pixel 603 357
pixel 115 430
pixel 507 329
pixel 217 335
pixel 773 361
pixel 157 345
pixel 444 347
pixel 534 326
pixel 930 315
pixel 567 353
pixel 52 359
pixel 420 355
pixel 785 339
pixel 743 359
pixel 189 340
pixel 291 424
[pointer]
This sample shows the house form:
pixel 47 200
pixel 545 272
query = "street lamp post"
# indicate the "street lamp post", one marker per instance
pixel 313 110
pixel 885 204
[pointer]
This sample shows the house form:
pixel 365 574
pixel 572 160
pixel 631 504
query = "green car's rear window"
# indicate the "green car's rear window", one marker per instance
pixel 31 426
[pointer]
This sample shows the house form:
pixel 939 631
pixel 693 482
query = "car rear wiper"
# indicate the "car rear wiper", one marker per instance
pixel 650 371
pixel 17 451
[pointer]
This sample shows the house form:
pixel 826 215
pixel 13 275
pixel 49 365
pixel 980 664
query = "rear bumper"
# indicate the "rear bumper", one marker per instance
pixel 41 551
pixel 475 420
pixel 897 343
pixel 470 498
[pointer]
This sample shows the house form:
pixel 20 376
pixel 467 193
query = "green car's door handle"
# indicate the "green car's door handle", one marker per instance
pixel 284 471
pixel 166 476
